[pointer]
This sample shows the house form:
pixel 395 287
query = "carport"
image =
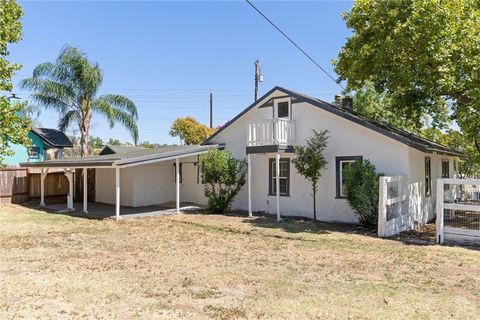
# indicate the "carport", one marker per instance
pixel 126 161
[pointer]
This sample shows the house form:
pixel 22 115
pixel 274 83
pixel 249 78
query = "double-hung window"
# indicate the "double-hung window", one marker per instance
pixel 341 164
pixel 284 177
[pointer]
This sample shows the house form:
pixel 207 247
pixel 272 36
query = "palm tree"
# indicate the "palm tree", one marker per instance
pixel 70 86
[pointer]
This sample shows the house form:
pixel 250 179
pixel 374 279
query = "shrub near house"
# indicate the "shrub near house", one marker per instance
pixel 223 176
pixel 362 188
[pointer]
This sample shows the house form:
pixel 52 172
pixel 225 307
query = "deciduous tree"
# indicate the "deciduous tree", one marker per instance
pixel 190 130
pixel 424 53
pixel 14 127
pixel 310 161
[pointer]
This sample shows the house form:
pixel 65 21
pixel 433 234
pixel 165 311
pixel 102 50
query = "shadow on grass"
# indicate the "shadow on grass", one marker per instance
pixel 304 225
pixel 73 214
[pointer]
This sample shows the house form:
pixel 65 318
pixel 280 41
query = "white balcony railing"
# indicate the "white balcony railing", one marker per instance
pixel 271 132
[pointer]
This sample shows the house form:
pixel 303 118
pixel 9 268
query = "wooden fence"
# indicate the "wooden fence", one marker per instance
pixel 14 185
pixel 18 185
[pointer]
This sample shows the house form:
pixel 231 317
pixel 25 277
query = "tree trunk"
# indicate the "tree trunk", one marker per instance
pixel 84 131
pixel 314 203
pixel 83 143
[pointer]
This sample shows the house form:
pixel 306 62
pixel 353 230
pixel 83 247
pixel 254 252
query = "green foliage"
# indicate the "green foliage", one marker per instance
pixel 95 142
pixel 424 53
pixel 310 161
pixel 147 144
pixel 14 127
pixel 70 86
pixel 379 106
pixel 190 130
pixel 10 32
pixel 469 164
pixel 223 176
pixel 362 188
pixel 114 142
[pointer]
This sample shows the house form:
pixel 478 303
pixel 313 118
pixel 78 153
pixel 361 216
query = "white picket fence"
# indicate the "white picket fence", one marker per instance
pixel 458 222
pixel 393 214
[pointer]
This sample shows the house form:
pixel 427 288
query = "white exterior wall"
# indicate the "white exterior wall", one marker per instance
pixel 422 207
pixel 150 184
pixel 346 139
pixel 105 186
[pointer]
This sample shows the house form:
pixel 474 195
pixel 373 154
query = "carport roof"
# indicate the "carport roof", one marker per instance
pixel 135 157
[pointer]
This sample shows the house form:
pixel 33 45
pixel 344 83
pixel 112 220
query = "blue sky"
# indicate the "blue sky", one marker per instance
pixel 166 56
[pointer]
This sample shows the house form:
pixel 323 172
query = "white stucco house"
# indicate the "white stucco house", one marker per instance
pixel 269 128
pixel 265 132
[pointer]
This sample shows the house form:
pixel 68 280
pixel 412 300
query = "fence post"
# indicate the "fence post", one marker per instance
pixel 382 208
pixel 439 238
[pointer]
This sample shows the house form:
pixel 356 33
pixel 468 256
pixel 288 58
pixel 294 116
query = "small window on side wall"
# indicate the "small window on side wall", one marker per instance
pixel 341 164
pixel 428 176
pixel 34 153
pixel 446 172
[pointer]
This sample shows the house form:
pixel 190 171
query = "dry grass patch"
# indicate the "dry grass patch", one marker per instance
pixel 224 267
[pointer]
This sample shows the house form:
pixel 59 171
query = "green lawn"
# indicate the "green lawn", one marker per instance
pixel 225 267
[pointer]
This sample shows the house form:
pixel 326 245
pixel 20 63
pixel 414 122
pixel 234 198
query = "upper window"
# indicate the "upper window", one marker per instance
pixel 446 172
pixel 283 109
pixel 284 177
pixel 428 176
pixel 341 164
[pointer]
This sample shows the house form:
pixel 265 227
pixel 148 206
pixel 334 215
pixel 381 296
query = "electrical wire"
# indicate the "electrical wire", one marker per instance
pixel 294 43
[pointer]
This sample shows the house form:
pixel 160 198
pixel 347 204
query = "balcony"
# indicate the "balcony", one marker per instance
pixel 271 132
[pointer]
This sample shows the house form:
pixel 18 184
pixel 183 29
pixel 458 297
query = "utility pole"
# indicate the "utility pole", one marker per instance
pixel 211 109
pixel 258 77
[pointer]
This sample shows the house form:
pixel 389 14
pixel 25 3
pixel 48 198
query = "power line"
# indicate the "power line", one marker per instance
pixel 294 43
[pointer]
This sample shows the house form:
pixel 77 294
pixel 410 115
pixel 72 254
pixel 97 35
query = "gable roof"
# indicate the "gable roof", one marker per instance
pixel 410 139
pixel 137 156
pixel 53 138
pixel 115 149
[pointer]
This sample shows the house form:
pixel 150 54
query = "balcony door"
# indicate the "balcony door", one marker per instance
pixel 282 108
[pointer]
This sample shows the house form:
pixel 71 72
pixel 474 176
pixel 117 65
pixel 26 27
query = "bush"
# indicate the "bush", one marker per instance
pixel 223 176
pixel 362 187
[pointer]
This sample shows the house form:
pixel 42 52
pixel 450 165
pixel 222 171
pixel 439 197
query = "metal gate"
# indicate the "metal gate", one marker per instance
pixel 458 211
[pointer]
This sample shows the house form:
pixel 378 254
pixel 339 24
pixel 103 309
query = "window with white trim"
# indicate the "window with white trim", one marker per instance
pixel 282 108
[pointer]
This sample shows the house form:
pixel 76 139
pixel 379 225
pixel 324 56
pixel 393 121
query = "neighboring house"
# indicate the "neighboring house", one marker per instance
pixel 268 129
pixel 47 144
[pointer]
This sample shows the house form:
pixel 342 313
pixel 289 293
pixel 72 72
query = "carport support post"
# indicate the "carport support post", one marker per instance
pixel 277 182
pixel 43 175
pixel 117 193
pixel 69 175
pixel 249 174
pixel 439 237
pixel 177 186
pixel 85 190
